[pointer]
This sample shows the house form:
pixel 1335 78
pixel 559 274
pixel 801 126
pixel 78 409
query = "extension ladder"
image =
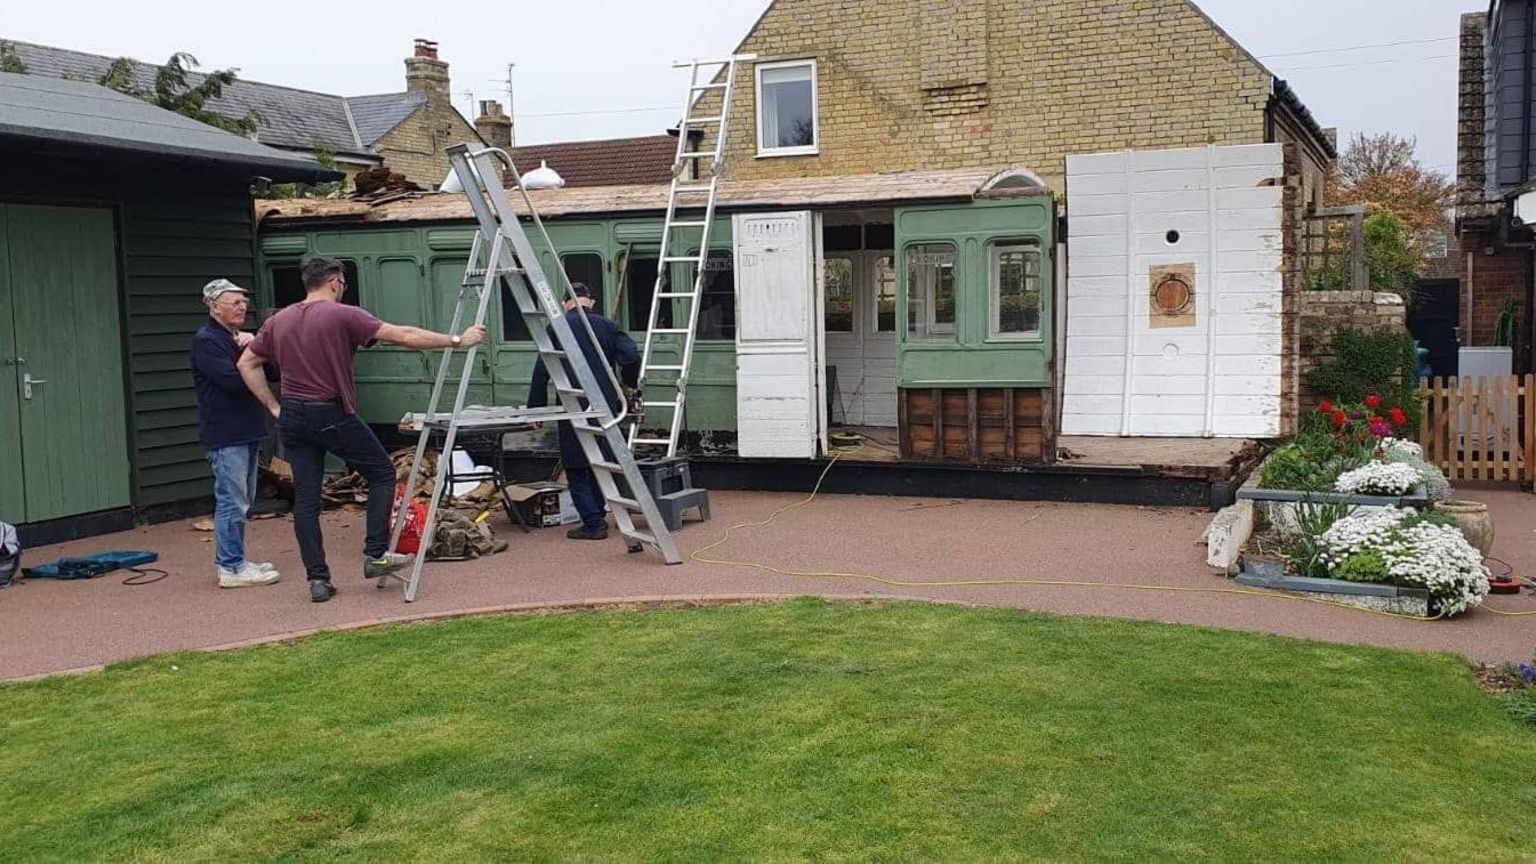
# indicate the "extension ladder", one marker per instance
pixel 686 197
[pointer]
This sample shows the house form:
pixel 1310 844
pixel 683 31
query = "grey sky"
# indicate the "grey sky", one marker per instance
pixel 589 69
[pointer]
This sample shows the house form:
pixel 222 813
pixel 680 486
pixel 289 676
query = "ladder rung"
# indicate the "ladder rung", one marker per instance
pixel 681 259
pixel 589 430
pixel 659 404
pixel 626 503
pixel 690 224
pixel 709 86
pixel 702 154
pixel 694 190
pixel 693 121
pixel 608 466
pixel 666 441
pixel 570 391
pixel 669 330
pixel 676 294
pixel 553 352
pixel 663 369
pixel 641 536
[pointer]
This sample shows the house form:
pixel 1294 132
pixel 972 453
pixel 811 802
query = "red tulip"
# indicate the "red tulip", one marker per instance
pixel 1399 419
pixel 1338 419
pixel 1373 401
pixel 1325 408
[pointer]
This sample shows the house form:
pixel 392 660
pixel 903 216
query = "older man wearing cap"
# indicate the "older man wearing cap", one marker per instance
pixel 231 422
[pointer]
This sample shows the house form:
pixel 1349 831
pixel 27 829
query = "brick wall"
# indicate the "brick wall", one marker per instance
pixel 1506 274
pixel 1320 313
pixel 415 147
pixel 914 84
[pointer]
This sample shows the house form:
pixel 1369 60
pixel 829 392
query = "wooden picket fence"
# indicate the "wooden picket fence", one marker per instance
pixel 1481 428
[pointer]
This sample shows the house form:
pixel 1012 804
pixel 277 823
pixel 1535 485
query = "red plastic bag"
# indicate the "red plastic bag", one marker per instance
pixel 415 518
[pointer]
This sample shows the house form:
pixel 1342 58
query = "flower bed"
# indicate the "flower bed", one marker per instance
pixel 1400 547
pixel 1345 500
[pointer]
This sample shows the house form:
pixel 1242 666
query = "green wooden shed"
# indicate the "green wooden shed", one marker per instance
pixel 113 214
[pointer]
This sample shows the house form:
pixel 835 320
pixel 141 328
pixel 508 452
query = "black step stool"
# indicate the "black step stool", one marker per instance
pixel 671 485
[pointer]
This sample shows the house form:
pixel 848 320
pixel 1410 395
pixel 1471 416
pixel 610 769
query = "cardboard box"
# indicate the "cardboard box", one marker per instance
pixel 543 504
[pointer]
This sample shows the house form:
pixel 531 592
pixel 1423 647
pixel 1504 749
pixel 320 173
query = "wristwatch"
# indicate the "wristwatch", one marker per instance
pixel 456 340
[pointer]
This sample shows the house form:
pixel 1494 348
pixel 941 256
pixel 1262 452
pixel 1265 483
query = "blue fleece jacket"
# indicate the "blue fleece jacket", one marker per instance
pixel 227 413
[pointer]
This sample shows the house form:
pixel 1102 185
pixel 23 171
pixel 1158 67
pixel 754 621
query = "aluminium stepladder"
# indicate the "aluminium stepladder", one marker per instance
pixel 502 256
pixel 689 196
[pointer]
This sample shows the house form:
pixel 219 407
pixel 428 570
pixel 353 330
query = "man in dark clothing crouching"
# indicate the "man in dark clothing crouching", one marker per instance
pixel 613 348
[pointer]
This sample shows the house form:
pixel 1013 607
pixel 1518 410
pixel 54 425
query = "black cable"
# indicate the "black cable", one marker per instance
pixel 140 572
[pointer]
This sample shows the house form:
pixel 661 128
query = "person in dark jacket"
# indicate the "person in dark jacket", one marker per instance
pixel 614 348
pixel 231 423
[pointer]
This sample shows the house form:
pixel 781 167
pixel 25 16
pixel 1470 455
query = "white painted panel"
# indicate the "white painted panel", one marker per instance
pixel 1249 364
pixel 1222 374
pixel 1108 266
pixel 1247 385
pixel 1110 224
pixel 1099 325
pixel 777 326
pixel 1085 164
pixel 1098 184
pixel 1103 203
pixel 1101 385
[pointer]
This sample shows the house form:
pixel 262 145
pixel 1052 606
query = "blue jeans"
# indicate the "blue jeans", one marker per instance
pixel 234 485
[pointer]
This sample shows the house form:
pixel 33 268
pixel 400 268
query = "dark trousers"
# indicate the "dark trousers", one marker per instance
pixel 309 431
pixel 586 497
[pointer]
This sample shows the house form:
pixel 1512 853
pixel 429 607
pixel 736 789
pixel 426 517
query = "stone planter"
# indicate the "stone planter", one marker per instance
pixel 1365 595
pixel 1276 508
pixel 1474 521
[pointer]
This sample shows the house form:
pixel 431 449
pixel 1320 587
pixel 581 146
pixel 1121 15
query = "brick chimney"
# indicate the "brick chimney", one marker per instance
pixel 494 125
pixel 426 74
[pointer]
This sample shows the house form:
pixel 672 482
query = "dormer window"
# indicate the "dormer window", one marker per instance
pixel 786 109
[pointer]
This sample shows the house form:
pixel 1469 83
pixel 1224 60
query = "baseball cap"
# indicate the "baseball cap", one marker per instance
pixel 580 289
pixel 213 289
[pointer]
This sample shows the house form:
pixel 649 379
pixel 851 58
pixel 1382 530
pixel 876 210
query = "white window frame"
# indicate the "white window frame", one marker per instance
pixel 812 149
pixel 995 293
pixel 929 290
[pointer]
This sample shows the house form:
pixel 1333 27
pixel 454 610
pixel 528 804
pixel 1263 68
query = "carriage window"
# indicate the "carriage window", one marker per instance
pixel 586 267
pixel 1015 289
pixel 885 294
pixel 288 287
pixel 839 288
pixel 717 296
pixel 931 290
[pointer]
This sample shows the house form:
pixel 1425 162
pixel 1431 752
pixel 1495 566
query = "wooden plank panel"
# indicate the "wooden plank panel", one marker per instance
pixel 1453 409
pixel 1530 428
pixel 1010 431
pixel 1500 404
pixel 937 407
pixel 972 426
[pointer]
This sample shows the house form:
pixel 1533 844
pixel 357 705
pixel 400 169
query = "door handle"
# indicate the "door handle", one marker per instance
pixel 26 384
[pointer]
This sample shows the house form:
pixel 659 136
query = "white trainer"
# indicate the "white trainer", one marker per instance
pixel 248 575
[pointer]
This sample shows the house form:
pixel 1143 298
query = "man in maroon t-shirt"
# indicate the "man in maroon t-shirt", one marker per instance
pixel 313 343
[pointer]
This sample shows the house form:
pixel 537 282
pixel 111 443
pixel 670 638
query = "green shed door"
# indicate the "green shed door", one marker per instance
pixel 13 496
pixel 60 284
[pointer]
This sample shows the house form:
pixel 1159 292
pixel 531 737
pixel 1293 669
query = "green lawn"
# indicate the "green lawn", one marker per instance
pixel 793 731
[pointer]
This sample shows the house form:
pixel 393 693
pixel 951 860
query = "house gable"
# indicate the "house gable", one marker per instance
pixel 415 146
pixel 929 84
